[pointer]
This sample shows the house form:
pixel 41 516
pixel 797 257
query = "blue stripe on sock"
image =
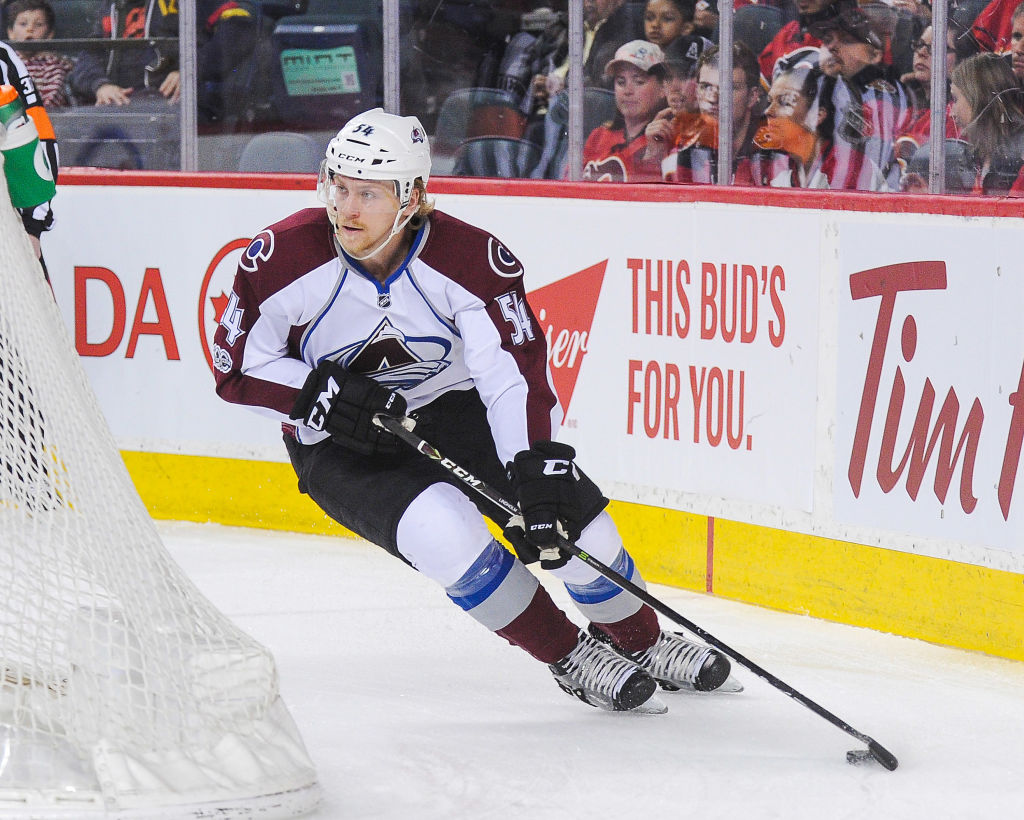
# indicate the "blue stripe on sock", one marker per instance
pixel 601 590
pixel 483 577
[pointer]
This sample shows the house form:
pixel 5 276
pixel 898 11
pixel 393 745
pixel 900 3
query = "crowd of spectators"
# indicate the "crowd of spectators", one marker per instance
pixel 840 96
pixel 105 75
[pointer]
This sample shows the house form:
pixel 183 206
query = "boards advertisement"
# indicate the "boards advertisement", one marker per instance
pixel 848 374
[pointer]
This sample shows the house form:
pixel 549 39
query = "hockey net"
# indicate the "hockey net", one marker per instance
pixel 124 693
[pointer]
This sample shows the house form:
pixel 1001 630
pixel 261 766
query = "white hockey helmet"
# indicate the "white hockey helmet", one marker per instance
pixel 379 146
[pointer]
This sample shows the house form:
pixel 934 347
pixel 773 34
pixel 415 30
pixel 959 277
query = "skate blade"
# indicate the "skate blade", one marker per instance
pixel 731 687
pixel 652 706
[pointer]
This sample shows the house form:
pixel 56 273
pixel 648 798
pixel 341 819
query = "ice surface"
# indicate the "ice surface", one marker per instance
pixel 412 711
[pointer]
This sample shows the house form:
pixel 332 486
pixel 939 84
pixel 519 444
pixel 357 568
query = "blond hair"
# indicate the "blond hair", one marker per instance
pixel 425 208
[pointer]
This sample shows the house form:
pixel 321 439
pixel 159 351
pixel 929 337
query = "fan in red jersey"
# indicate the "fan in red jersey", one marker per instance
pixel 615 151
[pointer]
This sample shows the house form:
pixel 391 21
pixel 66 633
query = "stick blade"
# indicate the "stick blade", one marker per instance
pixel 875 751
pixel 883 756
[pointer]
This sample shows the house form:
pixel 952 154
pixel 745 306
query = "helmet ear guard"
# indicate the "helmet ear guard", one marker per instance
pixel 323 183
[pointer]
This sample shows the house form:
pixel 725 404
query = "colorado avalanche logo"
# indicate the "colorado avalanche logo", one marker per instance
pixel 417 136
pixel 502 261
pixel 259 250
pixel 397 361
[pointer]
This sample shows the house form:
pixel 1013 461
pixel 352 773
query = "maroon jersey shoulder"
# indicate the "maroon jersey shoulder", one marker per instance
pixel 286 250
pixel 471 256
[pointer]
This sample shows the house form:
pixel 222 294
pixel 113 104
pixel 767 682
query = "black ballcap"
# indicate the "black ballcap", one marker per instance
pixel 862 24
pixel 682 53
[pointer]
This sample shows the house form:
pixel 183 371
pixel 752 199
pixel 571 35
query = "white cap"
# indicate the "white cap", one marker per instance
pixel 640 53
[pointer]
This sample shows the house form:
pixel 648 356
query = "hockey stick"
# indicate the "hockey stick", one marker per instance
pixel 874 748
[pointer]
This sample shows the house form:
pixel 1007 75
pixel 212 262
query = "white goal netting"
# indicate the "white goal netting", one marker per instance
pixel 123 692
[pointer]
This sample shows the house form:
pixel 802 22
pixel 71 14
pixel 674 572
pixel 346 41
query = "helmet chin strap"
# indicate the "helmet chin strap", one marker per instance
pixel 396 228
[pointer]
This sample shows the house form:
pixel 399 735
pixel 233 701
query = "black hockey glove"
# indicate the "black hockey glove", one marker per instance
pixel 343 404
pixel 545 480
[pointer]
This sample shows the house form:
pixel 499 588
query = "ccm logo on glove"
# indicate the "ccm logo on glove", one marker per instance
pixel 318 412
pixel 343 404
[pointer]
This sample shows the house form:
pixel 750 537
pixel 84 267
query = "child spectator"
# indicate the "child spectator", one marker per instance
pixel 34 20
pixel 665 20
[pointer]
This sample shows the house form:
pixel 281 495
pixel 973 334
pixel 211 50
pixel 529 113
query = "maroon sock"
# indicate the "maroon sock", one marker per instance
pixel 637 632
pixel 542 629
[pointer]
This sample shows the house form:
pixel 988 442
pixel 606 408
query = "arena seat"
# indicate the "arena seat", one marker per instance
pixel 959 166
pixel 598 107
pixel 504 157
pixel 281 151
pixel 142 135
pixel 468 113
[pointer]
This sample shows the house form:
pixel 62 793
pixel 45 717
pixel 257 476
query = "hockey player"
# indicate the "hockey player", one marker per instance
pixel 38 218
pixel 381 304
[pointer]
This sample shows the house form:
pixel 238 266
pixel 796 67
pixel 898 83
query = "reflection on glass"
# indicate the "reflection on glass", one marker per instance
pixel 696 148
pixel 870 104
pixel 797 140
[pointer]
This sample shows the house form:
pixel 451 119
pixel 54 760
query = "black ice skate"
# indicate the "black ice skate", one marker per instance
pixel 596 675
pixel 676 663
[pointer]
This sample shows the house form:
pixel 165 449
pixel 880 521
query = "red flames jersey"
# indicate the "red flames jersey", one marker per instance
pixel 453 317
pixel 609 157
pixel 789 38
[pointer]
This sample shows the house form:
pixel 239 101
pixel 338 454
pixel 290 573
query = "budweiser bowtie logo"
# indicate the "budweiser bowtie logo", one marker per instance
pixel 565 310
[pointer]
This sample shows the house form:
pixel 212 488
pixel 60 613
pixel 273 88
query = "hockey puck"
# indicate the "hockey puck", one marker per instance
pixel 876 752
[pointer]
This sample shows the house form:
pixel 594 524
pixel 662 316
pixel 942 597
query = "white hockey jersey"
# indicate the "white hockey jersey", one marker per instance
pixel 453 317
